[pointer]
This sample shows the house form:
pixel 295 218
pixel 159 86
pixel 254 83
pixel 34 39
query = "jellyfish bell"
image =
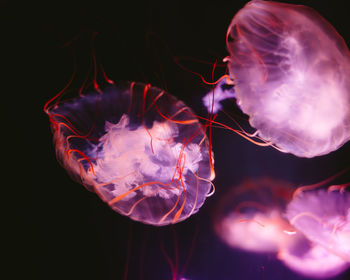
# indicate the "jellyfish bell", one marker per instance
pixel 260 232
pixel 311 260
pixel 139 148
pixel 307 255
pixel 323 216
pixel 250 216
pixel 291 71
pixel 291 75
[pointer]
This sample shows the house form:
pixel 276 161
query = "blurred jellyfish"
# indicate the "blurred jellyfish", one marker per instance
pixel 261 232
pixel 291 75
pixel 139 148
pixel 250 217
pixel 323 217
pixel 311 259
pixel 308 231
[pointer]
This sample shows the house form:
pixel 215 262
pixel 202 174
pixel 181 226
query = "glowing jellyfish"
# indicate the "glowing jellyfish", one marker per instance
pixel 291 75
pixel 324 219
pixel 309 231
pixel 139 148
pixel 250 217
pixel 311 259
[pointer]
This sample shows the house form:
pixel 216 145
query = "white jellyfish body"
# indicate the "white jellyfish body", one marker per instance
pixel 249 217
pixel 133 167
pixel 324 218
pixel 139 148
pixel 321 219
pixel 291 75
pixel 311 260
pixel 309 232
pixel 255 232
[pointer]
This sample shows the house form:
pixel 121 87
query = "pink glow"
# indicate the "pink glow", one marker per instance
pixel 291 71
pixel 324 218
pixel 312 260
pixel 250 216
pixel 309 230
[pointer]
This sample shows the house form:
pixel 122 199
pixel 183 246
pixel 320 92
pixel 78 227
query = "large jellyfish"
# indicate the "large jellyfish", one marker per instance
pixel 139 148
pixel 291 74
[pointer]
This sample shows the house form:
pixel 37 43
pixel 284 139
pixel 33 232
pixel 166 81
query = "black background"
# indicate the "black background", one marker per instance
pixel 67 232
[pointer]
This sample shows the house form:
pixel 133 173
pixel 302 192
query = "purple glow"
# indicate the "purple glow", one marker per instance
pixel 309 233
pixel 259 232
pixel 324 218
pixel 139 148
pixel 311 260
pixel 250 216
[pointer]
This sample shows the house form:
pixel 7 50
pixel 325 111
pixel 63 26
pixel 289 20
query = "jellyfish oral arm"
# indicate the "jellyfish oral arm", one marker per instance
pixel 221 92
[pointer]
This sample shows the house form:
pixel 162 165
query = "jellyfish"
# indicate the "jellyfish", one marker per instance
pixel 250 217
pixel 321 217
pixel 324 217
pixel 311 259
pixel 290 72
pixel 307 231
pixel 141 150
